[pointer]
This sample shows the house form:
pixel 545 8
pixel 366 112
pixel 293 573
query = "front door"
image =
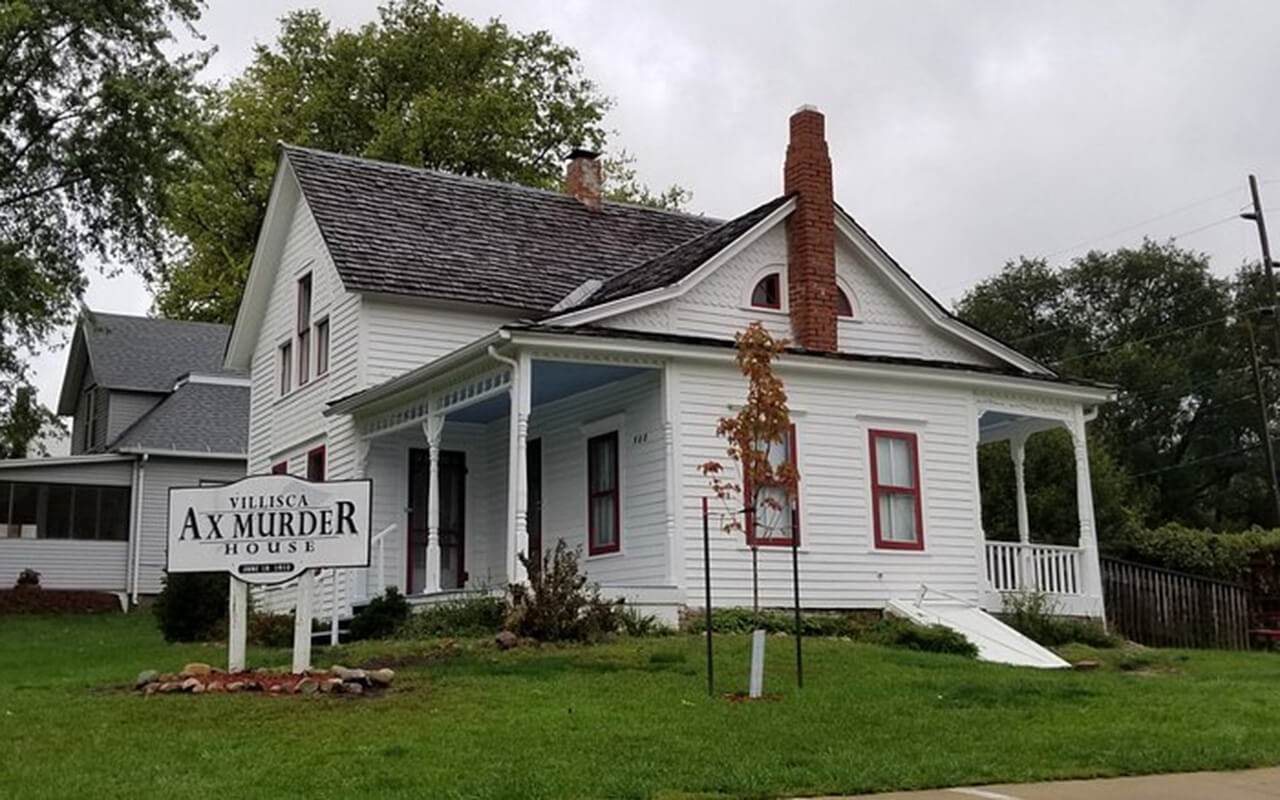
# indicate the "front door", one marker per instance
pixel 533 472
pixel 453 494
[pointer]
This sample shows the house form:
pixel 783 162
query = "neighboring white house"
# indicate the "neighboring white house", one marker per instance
pixel 513 366
pixel 151 407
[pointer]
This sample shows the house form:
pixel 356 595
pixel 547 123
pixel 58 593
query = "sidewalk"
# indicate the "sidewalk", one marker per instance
pixel 1247 785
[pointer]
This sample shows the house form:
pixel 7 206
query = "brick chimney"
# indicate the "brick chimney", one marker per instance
pixel 811 233
pixel 583 178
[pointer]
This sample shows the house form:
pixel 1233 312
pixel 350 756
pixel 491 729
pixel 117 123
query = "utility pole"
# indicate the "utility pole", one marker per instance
pixel 1268 269
pixel 1264 420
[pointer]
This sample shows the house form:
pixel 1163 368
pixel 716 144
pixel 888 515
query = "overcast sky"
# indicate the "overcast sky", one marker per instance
pixel 962 133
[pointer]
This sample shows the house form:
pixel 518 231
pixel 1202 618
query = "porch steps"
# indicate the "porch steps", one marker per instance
pixel 996 641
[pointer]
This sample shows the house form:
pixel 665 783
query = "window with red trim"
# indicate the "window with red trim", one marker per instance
pixel 895 490
pixel 767 292
pixel 280 469
pixel 844 308
pixel 315 464
pixel 775 519
pixel 604 534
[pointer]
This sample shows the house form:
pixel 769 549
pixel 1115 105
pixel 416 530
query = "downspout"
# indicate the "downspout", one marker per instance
pixel 140 468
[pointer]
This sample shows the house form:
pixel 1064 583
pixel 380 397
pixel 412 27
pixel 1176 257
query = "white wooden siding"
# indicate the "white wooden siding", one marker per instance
pixel 839 565
pixel 886 323
pixel 95 473
pixel 401 336
pixel 159 474
pixel 66 563
pixel 126 408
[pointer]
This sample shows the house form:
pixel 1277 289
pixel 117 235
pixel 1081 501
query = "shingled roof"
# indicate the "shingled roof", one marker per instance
pixel 401 230
pixel 149 355
pixel 197 418
pixel 680 260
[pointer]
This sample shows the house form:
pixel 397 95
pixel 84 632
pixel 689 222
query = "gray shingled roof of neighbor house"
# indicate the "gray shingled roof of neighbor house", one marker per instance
pixel 197 418
pixel 149 355
pixel 401 230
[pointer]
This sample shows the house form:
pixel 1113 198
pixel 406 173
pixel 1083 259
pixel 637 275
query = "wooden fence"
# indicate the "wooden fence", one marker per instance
pixel 1163 608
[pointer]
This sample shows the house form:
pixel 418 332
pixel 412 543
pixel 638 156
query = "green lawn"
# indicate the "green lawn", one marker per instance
pixel 629 719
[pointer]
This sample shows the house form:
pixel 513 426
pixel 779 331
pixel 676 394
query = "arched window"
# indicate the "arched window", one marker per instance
pixel 768 292
pixel 844 308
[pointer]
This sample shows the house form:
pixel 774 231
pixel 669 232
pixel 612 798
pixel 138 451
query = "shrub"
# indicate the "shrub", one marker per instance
pixel 270 630
pixel 382 617
pixel 1034 615
pixel 899 632
pixel 473 616
pixel 28 578
pixel 744 620
pixel 192 606
pixel 558 604
pixel 636 623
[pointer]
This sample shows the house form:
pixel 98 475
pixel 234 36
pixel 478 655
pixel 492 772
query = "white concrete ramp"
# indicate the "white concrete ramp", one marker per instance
pixel 995 641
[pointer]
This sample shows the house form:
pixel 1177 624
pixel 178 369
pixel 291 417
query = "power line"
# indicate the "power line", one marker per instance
pixel 1143 340
pixel 1207 459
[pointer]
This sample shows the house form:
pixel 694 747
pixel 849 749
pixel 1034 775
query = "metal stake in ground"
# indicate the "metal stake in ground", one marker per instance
pixel 795 592
pixel 706 583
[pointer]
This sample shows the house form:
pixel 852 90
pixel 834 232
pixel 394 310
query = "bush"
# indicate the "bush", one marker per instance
pixel 270 630
pixel 558 604
pixel 382 617
pixel 636 623
pixel 192 606
pixel 28 578
pixel 744 620
pixel 899 632
pixel 1035 616
pixel 473 616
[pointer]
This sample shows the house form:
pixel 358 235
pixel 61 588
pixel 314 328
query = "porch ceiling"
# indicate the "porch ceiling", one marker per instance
pixel 552 380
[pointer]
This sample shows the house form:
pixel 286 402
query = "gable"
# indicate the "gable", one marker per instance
pixel 886 322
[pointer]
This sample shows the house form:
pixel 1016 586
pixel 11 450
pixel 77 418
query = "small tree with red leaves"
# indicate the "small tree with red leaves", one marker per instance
pixel 761 428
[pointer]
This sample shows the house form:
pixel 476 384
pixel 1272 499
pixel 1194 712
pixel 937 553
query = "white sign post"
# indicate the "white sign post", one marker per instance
pixel 268 529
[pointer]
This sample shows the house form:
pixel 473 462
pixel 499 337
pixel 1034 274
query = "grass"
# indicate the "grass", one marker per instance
pixel 627 719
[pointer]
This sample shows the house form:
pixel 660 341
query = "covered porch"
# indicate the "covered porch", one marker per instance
pixel 503 453
pixel 1067 573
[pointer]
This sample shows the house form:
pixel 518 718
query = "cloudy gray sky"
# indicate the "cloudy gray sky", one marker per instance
pixel 963 133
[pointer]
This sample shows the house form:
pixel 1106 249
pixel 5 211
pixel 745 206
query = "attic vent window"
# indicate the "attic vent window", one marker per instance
pixel 844 308
pixel 768 292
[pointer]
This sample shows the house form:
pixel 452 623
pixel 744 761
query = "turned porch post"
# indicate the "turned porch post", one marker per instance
pixel 517 488
pixel 433 428
pixel 1027 577
pixel 1090 578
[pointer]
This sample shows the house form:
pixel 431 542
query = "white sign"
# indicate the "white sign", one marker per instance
pixel 269 528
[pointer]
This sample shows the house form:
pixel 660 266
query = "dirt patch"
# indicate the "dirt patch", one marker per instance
pixel 35 600
pixel 743 697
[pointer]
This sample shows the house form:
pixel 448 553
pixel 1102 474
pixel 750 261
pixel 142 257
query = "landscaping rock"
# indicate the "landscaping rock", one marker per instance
pixel 190 684
pixel 382 677
pixel 235 686
pixel 353 688
pixel 151 688
pixel 506 640
pixel 169 687
pixel 307 686
pixel 1085 666
pixel 350 675
pixel 331 685
pixel 145 677
pixel 277 688
pixel 197 669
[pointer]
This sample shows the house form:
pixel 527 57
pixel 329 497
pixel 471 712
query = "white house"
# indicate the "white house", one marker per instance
pixel 513 366
pixel 150 408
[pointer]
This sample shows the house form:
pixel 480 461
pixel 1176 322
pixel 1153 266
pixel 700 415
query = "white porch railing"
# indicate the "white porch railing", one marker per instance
pixel 1049 568
pixel 379 545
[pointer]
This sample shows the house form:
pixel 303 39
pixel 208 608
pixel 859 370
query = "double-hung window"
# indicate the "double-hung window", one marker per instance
pixel 895 490
pixel 773 518
pixel 304 329
pixel 604 534
pixel 286 367
pixel 322 347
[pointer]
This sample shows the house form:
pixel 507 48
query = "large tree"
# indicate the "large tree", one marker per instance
pixel 1181 443
pixel 417 86
pixel 92 113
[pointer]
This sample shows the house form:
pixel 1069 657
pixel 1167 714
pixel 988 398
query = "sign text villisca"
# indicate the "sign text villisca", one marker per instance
pixel 269 528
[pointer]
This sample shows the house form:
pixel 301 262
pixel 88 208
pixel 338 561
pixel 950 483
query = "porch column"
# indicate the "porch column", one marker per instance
pixel 1090 576
pixel 670 413
pixel 517 487
pixel 433 427
pixel 1018 448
